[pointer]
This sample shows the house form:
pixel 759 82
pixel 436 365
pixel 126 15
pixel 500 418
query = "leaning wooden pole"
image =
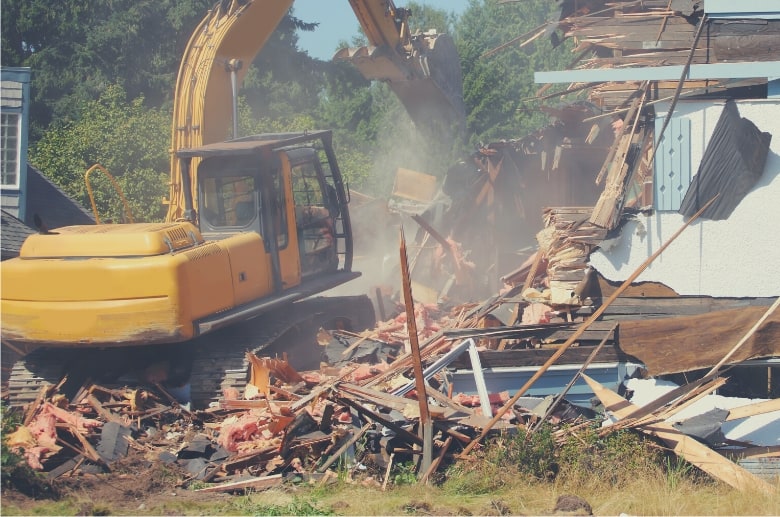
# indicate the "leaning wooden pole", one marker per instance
pixel 581 330
pixel 419 378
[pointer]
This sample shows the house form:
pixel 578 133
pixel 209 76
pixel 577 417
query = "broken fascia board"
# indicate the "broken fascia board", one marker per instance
pixel 730 258
pixel 759 430
pixel 742 10
pixel 743 70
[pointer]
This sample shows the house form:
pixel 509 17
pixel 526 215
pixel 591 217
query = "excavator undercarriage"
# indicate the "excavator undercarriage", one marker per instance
pixel 199 370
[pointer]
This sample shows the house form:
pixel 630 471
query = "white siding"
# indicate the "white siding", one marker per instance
pixel 737 257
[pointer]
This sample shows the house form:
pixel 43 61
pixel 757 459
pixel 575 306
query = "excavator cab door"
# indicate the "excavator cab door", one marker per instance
pixel 251 193
pixel 316 211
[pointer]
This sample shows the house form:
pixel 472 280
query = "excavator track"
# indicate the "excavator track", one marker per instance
pixel 213 362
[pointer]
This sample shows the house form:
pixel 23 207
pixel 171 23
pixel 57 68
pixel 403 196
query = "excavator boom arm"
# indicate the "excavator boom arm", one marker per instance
pixel 422 70
pixel 215 62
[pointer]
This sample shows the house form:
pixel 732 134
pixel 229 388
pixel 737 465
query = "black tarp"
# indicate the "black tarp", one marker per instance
pixel 732 164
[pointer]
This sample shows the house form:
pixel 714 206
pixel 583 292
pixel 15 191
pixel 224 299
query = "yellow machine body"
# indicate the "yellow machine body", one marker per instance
pixel 131 283
pixel 112 285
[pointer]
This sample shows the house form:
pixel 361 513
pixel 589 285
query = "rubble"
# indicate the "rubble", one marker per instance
pixel 298 426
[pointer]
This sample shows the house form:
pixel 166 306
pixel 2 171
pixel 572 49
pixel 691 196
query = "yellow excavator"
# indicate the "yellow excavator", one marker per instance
pixel 256 226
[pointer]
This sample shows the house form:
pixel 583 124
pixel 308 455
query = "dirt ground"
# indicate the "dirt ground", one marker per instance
pixel 135 486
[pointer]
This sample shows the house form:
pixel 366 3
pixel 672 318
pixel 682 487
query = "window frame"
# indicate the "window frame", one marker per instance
pixel 4 149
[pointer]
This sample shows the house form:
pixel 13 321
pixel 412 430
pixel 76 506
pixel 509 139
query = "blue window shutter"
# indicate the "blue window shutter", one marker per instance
pixel 672 163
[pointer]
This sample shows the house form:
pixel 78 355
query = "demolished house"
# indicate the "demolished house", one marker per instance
pixel 644 214
pixel 671 139
pixel 691 93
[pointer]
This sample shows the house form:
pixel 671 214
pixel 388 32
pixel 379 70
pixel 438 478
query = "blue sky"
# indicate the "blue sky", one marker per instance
pixel 338 22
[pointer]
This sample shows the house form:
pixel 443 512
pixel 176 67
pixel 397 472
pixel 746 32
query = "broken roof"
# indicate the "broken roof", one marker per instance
pixel 627 42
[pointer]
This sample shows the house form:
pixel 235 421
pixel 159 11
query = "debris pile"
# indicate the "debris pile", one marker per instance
pixel 361 411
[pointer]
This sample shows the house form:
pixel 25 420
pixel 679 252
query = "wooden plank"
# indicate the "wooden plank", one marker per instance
pixel 758 408
pixel 106 414
pixel 401 432
pixel 258 483
pixel 678 393
pixel 767 314
pixel 607 209
pixel 435 464
pixel 88 451
pixel 241 461
pixel 691 398
pixel 693 451
pixel 538 356
pixel 771 451
pixel 376 397
pixel 356 434
pixel 426 427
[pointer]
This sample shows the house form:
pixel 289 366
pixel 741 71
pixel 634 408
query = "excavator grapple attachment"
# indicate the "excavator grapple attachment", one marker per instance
pixel 427 79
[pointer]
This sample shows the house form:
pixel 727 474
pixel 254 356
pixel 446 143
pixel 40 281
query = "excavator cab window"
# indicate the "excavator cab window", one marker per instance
pixel 229 201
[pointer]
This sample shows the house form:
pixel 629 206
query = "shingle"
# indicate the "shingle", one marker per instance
pixel 13 232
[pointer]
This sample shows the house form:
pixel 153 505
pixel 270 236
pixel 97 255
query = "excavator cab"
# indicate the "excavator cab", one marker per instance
pixel 278 187
pixel 285 190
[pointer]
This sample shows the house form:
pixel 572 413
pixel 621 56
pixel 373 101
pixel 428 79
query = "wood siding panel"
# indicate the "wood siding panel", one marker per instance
pixel 672 163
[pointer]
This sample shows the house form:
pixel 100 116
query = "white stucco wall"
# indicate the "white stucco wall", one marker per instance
pixel 737 257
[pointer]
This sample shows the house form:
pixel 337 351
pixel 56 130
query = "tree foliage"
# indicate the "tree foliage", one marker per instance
pixel 496 86
pixel 78 49
pixel 103 77
pixel 283 81
pixel 127 138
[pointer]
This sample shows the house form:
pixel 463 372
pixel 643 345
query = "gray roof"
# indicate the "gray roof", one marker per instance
pixel 13 232
pixel 51 203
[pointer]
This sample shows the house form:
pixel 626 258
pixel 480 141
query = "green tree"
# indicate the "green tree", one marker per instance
pixel 284 82
pixel 130 140
pixel 496 85
pixel 425 17
pixel 77 49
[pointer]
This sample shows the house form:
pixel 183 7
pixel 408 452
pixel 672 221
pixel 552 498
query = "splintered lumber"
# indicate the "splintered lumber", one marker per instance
pixel 666 398
pixel 257 483
pixel 606 213
pixel 400 431
pixel 693 451
pixel 436 462
pixel 685 343
pixel 576 376
pixel 88 450
pixel 356 434
pixel 104 413
pixel 580 330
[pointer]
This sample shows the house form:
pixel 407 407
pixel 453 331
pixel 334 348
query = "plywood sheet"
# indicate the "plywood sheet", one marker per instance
pixel 684 343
